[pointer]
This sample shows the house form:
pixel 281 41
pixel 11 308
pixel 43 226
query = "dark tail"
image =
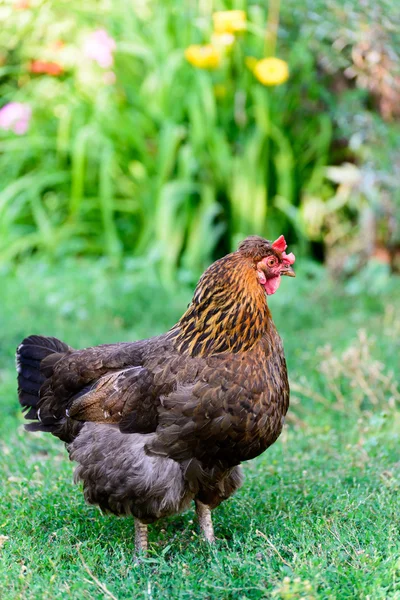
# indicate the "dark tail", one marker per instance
pixel 36 357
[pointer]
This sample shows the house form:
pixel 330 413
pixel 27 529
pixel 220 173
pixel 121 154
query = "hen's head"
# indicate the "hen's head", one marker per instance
pixel 270 260
pixel 229 312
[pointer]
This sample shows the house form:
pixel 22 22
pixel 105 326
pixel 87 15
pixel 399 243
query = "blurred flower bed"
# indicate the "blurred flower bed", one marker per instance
pixel 164 128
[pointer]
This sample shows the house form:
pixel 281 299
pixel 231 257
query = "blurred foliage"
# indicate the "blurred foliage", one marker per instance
pixel 356 46
pixel 144 152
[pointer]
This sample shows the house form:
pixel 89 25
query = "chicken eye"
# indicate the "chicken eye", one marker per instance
pixel 271 261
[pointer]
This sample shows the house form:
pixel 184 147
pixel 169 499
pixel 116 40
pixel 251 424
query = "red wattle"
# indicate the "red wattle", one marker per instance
pixel 272 284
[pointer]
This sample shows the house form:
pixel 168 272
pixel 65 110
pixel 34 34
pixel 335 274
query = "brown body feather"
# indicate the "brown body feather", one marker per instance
pixel 182 409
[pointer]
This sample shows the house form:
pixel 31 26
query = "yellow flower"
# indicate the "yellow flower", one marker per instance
pixel 271 71
pixel 203 57
pixel 223 40
pixel 229 21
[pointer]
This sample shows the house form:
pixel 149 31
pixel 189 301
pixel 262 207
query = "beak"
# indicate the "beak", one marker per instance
pixel 288 270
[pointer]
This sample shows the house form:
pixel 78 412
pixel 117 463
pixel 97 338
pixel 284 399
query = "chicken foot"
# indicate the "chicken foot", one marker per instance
pixel 205 521
pixel 140 537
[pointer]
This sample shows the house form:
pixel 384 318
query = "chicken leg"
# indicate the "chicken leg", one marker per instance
pixel 140 537
pixel 206 526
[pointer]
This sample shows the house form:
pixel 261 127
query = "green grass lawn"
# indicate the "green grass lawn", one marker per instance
pixel 318 515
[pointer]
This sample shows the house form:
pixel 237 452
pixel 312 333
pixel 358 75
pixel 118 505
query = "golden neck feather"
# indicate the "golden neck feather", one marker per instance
pixel 228 313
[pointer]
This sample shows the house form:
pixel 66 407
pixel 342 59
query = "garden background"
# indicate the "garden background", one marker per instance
pixel 139 141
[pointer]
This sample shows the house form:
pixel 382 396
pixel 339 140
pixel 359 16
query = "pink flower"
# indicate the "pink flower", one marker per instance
pixel 15 116
pixel 99 46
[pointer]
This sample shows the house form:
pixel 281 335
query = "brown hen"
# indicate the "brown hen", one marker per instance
pixel 157 423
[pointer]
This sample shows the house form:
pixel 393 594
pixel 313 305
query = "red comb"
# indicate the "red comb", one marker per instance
pixel 280 244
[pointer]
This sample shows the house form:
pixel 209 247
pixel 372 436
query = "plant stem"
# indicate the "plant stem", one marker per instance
pixel 271 30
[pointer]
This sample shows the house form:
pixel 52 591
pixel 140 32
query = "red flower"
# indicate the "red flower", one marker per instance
pixel 49 68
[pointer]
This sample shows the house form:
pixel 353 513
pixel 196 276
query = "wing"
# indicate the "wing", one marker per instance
pixel 231 413
pixel 92 382
pixel 80 368
pixel 125 397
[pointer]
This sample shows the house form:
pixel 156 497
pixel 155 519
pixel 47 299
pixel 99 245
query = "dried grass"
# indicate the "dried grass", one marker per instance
pixel 355 377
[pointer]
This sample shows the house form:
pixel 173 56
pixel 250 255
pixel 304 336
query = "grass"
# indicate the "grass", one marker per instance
pixel 318 516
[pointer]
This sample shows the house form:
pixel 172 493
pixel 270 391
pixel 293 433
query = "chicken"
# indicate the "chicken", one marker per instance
pixel 157 423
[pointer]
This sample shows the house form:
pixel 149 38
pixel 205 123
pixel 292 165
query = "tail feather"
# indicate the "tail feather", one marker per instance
pixel 37 426
pixel 31 414
pixel 37 347
pixel 31 376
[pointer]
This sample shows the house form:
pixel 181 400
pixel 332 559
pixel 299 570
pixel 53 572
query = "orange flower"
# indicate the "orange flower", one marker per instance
pixel 22 4
pixel 57 45
pixel 40 67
